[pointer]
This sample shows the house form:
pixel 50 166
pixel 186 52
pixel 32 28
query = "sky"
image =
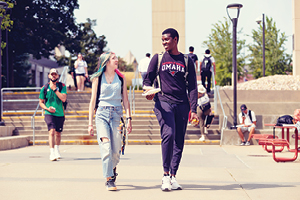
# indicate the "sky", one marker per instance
pixel 127 24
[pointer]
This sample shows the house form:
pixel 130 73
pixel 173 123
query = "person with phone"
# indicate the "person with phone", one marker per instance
pixel 52 103
pixel 248 123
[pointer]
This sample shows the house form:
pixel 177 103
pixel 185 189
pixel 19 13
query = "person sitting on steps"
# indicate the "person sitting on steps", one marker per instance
pixel 248 123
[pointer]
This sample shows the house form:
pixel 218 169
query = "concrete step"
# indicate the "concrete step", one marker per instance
pixel 13 142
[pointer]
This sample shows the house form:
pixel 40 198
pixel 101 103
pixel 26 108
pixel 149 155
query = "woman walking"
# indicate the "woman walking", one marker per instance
pixel 108 90
pixel 81 71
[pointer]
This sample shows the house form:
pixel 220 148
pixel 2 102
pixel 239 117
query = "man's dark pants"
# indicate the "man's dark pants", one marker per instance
pixel 172 119
pixel 205 74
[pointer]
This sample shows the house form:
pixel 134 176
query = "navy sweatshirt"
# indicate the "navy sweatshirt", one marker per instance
pixel 173 84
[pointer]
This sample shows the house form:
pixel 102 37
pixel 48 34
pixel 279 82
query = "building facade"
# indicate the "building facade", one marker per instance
pixel 167 14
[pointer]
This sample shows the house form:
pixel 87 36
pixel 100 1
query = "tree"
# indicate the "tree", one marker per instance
pixel 86 42
pixel 123 67
pixel 39 26
pixel 277 61
pixel 220 44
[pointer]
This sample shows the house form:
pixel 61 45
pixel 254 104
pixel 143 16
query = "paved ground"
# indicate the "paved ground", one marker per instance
pixel 206 172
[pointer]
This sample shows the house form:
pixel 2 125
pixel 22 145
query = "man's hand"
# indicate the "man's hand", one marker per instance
pixel 194 116
pixel 51 109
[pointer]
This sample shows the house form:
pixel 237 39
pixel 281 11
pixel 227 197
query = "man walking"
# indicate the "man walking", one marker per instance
pixel 194 57
pixel 52 103
pixel 172 105
pixel 205 69
pixel 143 66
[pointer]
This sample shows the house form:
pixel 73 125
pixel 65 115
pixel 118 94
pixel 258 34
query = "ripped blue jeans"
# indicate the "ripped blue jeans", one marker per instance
pixel 107 123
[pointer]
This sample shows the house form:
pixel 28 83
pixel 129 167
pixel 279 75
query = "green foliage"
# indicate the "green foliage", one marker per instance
pixel 123 67
pixel 38 27
pixel 87 43
pixel 277 61
pixel 21 68
pixel 220 45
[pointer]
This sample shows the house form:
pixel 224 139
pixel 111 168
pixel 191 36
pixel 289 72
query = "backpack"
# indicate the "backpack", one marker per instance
pixel 250 116
pixel 285 119
pixel 160 56
pixel 206 64
pixel 60 86
pixel 120 76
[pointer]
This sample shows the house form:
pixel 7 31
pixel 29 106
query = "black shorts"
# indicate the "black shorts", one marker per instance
pixel 80 74
pixel 55 122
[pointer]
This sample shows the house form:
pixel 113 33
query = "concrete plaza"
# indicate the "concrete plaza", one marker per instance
pixel 206 172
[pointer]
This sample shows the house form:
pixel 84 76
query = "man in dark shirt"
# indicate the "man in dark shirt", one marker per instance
pixel 172 104
pixel 194 57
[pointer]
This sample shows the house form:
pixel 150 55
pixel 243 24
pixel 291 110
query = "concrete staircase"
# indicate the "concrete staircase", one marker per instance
pixel 146 129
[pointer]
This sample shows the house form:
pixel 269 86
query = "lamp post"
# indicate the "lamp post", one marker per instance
pixel 259 20
pixel 234 7
pixel 3 5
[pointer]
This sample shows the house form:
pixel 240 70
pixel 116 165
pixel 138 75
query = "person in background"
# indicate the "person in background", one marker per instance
pixel 248 123
pixel 206 68
pixel 143 66
pixel 52 103
pixel 81 71
pixel 108 113
pixel 172 104
pixel 194 57
pixel 203 109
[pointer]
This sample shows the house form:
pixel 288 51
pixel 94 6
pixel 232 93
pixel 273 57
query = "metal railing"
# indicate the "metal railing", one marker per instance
pixel 224 123
pixel 16 100
pixel 63 79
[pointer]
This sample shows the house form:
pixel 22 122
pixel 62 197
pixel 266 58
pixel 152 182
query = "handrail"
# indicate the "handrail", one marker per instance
pixel 14 100
pixel 224 123
pixel 62 79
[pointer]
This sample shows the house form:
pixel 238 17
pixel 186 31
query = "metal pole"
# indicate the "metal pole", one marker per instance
pixel 1 123
pixel 264 61
pixel 234 68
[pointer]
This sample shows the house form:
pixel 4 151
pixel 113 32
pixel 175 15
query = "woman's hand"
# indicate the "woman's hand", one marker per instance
pixel 91 130
pixel 129 127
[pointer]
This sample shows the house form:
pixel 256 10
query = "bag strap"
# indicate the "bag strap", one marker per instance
pixel 120 76
pixel 160 55
pixel 45 91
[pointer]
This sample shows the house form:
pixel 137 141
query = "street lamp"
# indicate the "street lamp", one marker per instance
pixel 259 20
pixel 235 7
pixel 3 5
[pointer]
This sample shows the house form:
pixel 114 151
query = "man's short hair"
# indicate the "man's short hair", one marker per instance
pixel 148 55
pixel 173 33
pixel 191 49
pixel 207 51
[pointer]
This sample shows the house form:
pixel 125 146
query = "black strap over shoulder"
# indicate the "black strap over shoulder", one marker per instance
pixel 60 86
pixel 99 89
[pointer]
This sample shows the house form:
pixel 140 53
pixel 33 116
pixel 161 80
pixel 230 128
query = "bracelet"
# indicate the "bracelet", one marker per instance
pixel 128 118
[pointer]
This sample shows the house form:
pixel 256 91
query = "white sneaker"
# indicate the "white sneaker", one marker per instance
pixel 205 130
pixel 175 185
pixel 57 154
pixel 166 183
pixel 52 156
pixel 202 138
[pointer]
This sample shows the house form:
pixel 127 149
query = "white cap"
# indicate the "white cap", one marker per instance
pixel 53 70
pixel 201 89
